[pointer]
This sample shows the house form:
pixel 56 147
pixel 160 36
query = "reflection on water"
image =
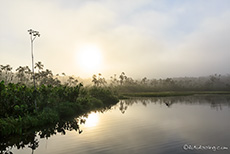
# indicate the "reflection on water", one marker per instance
pixel 30 139
pixel 140 125
pixel 91 120
pixel 215 101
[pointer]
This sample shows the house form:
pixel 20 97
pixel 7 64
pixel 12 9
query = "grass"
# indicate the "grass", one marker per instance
pixel 172 93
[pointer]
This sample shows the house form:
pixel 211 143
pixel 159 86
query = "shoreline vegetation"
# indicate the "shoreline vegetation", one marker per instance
pixel 54 103
pixel 57 97
pixel 174 93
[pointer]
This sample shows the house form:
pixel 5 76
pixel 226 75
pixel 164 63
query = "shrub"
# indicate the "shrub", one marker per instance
pixel 103 94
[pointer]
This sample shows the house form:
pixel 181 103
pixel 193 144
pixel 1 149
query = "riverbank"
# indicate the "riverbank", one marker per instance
pixel 172 93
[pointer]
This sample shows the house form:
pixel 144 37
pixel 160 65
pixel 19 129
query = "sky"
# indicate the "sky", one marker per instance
pixel 143 38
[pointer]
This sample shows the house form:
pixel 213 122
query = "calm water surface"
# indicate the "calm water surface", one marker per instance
pixel 146 125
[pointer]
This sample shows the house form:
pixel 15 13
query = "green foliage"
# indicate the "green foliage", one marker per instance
pixel 104 94
pixel 12 125
pixel 18 99
pixel 15 99
pixel 89 103
pixel 48 116
pixel 53 103
pixel 66 109
pixel 23 106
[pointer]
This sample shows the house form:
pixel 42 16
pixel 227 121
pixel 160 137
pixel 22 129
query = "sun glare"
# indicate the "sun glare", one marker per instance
pixel 89 58
pixel 92 120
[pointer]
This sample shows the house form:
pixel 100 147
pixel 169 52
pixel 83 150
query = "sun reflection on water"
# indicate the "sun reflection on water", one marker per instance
pixel 92 120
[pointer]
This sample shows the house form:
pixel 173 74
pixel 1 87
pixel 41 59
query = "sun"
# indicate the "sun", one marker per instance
pixel 89 58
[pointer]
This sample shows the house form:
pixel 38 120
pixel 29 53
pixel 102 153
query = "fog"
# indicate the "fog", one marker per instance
pixel 156 39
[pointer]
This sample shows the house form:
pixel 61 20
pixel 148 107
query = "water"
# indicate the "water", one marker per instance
pixel 144 125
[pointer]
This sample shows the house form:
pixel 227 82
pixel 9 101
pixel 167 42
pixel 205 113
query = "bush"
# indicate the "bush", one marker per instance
pixel 103 94
pixel 65 109
pixel 17 108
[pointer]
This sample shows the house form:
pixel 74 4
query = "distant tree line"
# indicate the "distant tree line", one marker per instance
pixel 122 83
pixel 208 83
pixel 23 75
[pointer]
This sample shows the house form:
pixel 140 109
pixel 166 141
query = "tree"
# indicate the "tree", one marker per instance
pixel 122 78
pixel 114 80
pixel 20 73
pixel 71 81
pixel 95 81
pixel 6 72
pixel 101 80
pixel 144 80
pixel 39 65
pixel 98 80
pixel 46 77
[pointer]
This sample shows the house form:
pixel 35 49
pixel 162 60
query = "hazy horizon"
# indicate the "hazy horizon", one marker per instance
pixel 143 38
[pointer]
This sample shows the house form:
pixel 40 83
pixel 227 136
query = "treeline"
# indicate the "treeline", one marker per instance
pixel 24 75
pixel 125 84
pixel 121 83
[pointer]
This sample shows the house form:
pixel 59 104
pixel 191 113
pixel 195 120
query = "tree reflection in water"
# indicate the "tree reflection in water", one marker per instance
pixel 30 139
pixel 215 101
